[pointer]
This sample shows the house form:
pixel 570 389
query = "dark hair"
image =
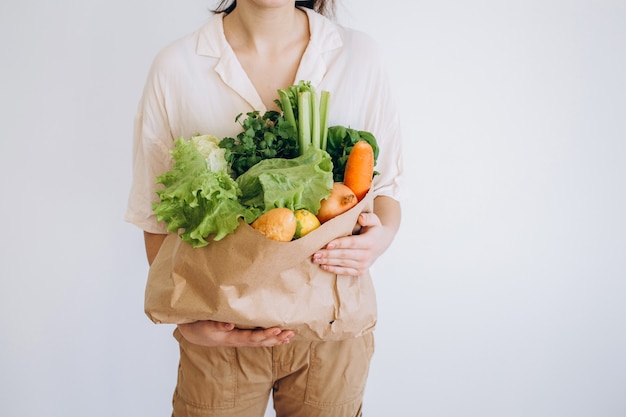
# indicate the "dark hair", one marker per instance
pixel 325 7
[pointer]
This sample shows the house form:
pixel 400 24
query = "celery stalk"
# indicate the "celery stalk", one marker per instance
pixel 315 119
pixel 304 120
pixel 324 100
pixel 287 109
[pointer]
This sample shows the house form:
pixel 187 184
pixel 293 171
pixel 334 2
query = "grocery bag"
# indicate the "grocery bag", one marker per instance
pixel 255 282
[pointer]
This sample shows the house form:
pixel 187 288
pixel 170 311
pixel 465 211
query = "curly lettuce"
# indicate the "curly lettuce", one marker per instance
pixel 195 201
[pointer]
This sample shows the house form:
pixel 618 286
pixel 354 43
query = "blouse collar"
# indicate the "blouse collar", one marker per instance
pixel 211 42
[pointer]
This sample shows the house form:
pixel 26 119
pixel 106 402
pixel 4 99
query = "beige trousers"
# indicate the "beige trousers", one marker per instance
pixel 307 378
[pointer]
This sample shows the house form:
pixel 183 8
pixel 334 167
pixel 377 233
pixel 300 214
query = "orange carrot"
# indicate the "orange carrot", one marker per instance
pixel 359 169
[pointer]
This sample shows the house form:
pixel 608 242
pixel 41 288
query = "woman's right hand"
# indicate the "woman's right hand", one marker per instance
pixel 215 333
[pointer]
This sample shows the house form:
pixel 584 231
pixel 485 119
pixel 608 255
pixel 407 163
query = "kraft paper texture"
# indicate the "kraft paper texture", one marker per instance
pixel 252 281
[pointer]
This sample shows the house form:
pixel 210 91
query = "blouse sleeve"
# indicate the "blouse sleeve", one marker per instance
pixel 383 121
pixel 152 141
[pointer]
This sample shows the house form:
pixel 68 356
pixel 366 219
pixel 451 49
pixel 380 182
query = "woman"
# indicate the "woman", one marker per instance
pixel 234 64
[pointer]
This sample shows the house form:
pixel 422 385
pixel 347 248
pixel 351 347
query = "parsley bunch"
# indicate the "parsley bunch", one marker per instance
pixel 262 137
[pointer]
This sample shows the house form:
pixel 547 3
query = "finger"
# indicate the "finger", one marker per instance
pixel 341 270
pixel 276 335
pixel 345 242
pixel 261 337
pixel 225 327
pixel 340 256
pixel 368 220
pixel 340 261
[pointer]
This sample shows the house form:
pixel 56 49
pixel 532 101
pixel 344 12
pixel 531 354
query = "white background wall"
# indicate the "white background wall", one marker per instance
pixel 503 295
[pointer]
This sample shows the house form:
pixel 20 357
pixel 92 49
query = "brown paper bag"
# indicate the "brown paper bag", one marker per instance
pixel 252 281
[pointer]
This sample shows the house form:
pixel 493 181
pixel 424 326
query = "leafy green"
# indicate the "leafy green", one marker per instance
pixel 196 202
pixel 262 137
pixel 341 140
pixel 209 148
pixel 298 183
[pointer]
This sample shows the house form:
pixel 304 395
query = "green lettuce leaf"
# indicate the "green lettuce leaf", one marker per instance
pixel 296 183
pixel 197 203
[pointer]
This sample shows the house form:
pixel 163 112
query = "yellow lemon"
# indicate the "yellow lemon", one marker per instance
pixel 307 222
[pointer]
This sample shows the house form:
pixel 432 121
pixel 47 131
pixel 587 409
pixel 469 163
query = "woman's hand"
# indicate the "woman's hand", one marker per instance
pixel 214 333
pixel 354 255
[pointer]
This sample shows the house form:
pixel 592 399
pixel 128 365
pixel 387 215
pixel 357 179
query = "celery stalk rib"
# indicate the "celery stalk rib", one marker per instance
pixel 324 101
pixel 315 120
pixel 288 109
pixel 304 119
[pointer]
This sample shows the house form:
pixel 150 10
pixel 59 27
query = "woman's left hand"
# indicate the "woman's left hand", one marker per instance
pixel 353 255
